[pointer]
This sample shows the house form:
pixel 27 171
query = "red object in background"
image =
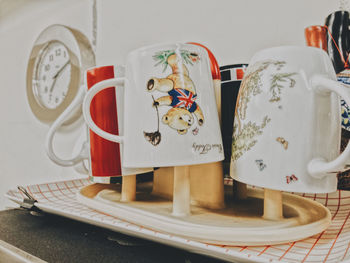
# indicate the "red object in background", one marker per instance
pixel 316 36
pixel 105 155
pixel 214 66
pixel 239 73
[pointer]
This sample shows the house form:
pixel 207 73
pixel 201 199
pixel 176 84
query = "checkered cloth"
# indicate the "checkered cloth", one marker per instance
pixel 332 245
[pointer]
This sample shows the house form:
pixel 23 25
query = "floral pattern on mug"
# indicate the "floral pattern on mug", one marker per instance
pixel 345 114
pixel 244 139
pixel 276 86
pixel 345 109
pixel 251 84
pixel 162 57
pixel 244 134
pixel 181 93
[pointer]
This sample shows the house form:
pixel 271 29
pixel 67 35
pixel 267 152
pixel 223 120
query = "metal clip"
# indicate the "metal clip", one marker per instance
pixel 28 201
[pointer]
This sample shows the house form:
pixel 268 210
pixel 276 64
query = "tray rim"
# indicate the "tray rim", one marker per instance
pixel 246 236
pixel 226 253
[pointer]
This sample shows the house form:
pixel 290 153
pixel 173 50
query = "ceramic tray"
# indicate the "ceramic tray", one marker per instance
pixel 240 222
pixel 332 245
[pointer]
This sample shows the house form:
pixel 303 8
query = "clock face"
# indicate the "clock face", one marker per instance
pixel 52 75
pixel 56 65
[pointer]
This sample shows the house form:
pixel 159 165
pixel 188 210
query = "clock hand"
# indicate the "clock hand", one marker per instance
pixel 57 74
pixel 53 84
pixel 61 69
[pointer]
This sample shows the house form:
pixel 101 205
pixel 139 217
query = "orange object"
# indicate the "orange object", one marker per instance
pixel 214 66
pixel 316 36
pixel 105 155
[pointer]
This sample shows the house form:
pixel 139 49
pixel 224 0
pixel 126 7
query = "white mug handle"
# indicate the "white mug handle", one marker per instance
pixel 318 167
pixel 86 108
pixel 84 152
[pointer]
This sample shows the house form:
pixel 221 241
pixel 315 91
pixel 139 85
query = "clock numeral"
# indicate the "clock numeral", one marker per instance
pixel 46 89
pixel 44 77
pixel 56 99
pixel 47 67
pixel 58 52
pixel 64 54
pixel 51 57
pixel 64 94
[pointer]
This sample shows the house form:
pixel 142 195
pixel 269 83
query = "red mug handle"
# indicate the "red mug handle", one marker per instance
pixel 214 66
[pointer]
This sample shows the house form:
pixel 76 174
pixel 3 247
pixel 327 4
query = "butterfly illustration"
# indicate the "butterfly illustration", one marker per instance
pixel 291 178
pixel 283 142
pixel 195 131
pixel 260 164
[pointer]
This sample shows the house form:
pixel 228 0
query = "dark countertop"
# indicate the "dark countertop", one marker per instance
pixel 58 239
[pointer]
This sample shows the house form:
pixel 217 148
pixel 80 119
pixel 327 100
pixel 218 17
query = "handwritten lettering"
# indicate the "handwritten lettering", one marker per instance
pixel 205 148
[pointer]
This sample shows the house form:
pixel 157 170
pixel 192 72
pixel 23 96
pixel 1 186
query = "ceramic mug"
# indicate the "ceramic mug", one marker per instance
pixel 316 36
pixel 231 78
pixel 338 50
pixel 338 24
pixel 287 122
pixel 338 44
pixel 170 113
pixel 104 159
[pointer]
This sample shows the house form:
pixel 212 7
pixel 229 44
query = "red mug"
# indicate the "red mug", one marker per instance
pixel 103 155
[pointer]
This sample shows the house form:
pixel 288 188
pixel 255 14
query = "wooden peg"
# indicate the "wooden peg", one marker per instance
pixel 207 180
pixel 207 185
pixel 163 182
pixel 239 190
pixel 273 205
pixel 128 188
pixel 182 195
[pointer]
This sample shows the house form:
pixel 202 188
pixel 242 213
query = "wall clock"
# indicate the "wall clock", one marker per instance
pixel 55 71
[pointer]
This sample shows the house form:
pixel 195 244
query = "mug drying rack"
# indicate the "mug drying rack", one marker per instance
pixel 246 216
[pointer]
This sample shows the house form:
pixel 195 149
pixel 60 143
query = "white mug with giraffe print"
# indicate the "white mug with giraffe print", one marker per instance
pixel 170 114
pixel 287 122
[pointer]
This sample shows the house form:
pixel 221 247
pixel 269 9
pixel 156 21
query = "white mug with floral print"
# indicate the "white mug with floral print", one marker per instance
pixel 170 115
pixel 287 122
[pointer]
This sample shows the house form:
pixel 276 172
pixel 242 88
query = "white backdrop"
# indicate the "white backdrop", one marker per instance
pixel 22 155
pixel 233 29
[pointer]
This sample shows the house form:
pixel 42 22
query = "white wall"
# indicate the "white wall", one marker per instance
pixel 232 29
pixel 23 159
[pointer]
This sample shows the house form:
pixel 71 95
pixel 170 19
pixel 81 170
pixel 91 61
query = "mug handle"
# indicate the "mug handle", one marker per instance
pixel 317 167
pixel 86 108
pixel 84 152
